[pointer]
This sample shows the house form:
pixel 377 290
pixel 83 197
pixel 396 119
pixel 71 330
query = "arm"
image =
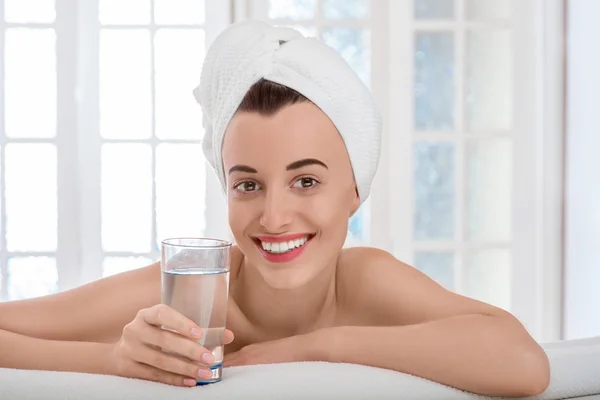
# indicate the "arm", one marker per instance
pixel 23 352
pixel 420 328
pixel 95 312
pixel 110 326
pixel 477 353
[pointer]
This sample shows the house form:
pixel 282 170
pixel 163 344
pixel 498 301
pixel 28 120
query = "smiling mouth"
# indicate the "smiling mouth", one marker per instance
pixel 277 248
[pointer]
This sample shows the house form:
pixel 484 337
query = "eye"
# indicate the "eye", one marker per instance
pixel 305 183
pixel 247 186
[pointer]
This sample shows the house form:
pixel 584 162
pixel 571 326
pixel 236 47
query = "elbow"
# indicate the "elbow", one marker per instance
pixel 540 377
pixel 534 372
pixel 531 366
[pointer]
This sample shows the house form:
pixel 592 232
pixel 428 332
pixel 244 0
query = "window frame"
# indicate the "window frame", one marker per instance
pixel 538 103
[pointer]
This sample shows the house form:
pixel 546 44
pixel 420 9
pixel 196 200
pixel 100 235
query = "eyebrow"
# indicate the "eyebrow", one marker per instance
pixel 295 165
pixel 304 162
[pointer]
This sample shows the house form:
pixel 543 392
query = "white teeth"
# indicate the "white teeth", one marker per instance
pixel 282 247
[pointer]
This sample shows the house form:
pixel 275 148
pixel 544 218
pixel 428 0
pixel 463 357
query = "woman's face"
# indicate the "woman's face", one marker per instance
pixel 290 191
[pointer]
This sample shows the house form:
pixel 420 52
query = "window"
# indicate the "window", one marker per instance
pixel 100 152
pixel 464 180
pixel 460 145
pixel 28 149
pixel 100 146
pixel 152 173
pixel 459 193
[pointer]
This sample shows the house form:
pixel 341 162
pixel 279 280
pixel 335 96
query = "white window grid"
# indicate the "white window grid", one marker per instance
pixel 79 254
pixel 406 245
pixel 5 254
pixel 536 227
pixel 217 16
pixel 535 243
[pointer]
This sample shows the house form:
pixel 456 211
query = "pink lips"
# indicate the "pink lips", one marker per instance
pixel 285 238
pixel 283 257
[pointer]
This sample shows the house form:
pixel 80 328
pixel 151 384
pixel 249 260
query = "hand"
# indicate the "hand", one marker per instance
pixel 290 349
pixel 138 353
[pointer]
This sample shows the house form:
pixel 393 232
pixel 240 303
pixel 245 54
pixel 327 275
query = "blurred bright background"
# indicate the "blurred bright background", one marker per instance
pixel 490 139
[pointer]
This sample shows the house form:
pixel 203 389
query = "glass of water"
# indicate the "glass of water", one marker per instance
pixel 195 283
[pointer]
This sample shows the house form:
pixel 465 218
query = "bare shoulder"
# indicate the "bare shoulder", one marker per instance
pixel 382 290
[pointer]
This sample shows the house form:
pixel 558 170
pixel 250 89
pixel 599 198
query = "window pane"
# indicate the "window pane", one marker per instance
pixel 124 12
pixel 434 81
pixel 356 224
pixel 29 277
pixel 487 9
pixel 488 205
pixel 126 197
pixel 489 103
pixel 180 190
pixel 30 83
pixel 433 191
pixel 294 9
pixel 346 9
pixel 116 265
pixel 434 9
pixel 24 11
pixel 178 116
pixel 359 226
pixel 354 46
pixel 179 12
pixel 488 275
pixel 439 266
pixel 125 91
pixel 31 199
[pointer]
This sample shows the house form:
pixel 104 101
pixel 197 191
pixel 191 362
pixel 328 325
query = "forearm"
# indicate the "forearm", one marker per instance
pixel 476 353
pixel 94 312
pixel 23 352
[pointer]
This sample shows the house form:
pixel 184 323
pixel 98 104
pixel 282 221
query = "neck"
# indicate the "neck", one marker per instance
pixel 286 312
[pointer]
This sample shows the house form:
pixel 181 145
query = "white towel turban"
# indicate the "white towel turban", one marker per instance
pixel 248 51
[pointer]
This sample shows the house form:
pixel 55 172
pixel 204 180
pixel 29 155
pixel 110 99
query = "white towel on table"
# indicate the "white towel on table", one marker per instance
pixel 575 373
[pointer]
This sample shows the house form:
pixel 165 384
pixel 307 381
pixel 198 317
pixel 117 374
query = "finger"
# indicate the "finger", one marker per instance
pixel 229 336
pixel 171 363
pixel 227 361
pixel 162 314
pixel 230 359
pixel 175 343
pixel 150 373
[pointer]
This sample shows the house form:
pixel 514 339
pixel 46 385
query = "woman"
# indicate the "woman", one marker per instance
pixel 296 159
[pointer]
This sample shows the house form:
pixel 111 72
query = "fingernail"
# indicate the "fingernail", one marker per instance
pixel 208 358
pixel 204 373
pixel 189 382
pixel 197 332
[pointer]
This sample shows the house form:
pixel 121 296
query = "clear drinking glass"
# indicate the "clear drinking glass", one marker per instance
pixel 195 283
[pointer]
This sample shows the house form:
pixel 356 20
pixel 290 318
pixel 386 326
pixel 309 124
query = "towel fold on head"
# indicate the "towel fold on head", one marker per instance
pixel 252 50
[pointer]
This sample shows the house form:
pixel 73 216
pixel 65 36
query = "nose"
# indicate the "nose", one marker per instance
pixel 276 214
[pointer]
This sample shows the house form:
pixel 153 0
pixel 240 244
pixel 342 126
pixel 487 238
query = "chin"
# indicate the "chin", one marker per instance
pixel 285 279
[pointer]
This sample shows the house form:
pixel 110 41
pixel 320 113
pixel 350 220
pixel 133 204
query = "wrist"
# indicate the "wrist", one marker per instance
pixel 105 358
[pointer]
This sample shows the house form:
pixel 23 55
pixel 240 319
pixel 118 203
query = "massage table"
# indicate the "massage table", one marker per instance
pixel 575 374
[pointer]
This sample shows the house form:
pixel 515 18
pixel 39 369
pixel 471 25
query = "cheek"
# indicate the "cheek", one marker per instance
pixel 240 216
pixel 332 213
